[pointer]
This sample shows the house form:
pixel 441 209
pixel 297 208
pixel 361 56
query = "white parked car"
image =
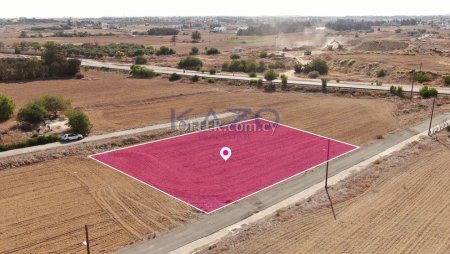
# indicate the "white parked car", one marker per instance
pixel 71 137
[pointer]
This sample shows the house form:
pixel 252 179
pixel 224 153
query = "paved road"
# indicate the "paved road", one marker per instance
pixel 230 76
pixel 103 136
pixel 232 214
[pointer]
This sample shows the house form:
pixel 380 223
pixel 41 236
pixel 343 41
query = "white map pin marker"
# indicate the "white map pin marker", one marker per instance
pixel 225 152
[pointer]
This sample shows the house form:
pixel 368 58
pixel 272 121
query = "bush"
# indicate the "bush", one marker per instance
pixel 426 92
pixel 277 65
pixel 164 51
pixel 298 68
pixel 381 73
pixel 211 80
pixel 270 88
pixel 313 74
pixel 271 75
pixel 446 80
pixel 174 77
pixel 253 82
pixel 235 56
pixel 194 51
pixel 421 77
pixel 140 60
pixel 7 107
pixel 448 128
pixel 79 122
pixel 196 36
pixel 252 75
pixel 263 54
pixel 259 84
pixel 212 71
pixel 394 90
pixel 212 51
pixel 316 65
pixel 162 31
pixel 194 78
pixel 246 66
pixel 35 141
pixel 191 63
pixel 138 71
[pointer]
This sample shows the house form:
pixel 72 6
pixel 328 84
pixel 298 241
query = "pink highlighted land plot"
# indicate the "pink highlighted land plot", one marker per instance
pixel 190 168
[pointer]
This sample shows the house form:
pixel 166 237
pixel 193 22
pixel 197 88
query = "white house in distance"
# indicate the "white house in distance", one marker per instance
pixel 219 29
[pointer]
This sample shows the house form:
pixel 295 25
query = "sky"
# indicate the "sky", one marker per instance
pixel 134 8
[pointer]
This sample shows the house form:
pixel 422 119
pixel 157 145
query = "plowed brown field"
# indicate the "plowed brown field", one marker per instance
pixel 44 208
pixel 405 211
pixel 115 102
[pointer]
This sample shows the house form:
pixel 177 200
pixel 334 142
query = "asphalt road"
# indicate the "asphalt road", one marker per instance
pixel 103 137
pixel 210 224
pixel 230 76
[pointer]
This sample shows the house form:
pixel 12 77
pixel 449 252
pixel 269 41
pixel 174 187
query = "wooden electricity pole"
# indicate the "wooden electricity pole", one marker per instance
pixel 87 239
pixel 412 84
pixel 432 113
pixel 326 179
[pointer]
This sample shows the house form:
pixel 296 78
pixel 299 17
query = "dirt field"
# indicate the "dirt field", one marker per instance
pixel 115 102
pixel 398 206
pixel 44 208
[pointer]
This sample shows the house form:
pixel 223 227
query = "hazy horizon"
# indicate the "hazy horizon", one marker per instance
pixel 139 8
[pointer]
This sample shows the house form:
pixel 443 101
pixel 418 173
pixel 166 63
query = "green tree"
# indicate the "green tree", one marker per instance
pixel 32 113
pixel 298 68
pixel 79 122
pixel 324 85
pixel 316 65
pixel 7 107
pixel 196 36
pixel 138 71
pixel 446 79
pixel 271 75
pixel 284 82
pixel 212 51
pixel 54 103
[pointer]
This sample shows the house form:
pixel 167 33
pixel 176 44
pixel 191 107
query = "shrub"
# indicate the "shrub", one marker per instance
pixel 421 77
pixel 270 88
pixel 174 77
pixel 271 75
pixel 378 83
pixel 318 65
pixel 7 107
pixel 196 36
pixel 338 81
pixel 298 68
pixel 263 54
pixel 212 71
pixel 246 66
pixel 253 82
pixel 448 128
pixel 192 63
pixel 211 80
pixel 446 80
pixel 394 90
pixel 252 75
pixel 235 56
pixel 212 51
pixel 313 74
pixel 79 122
pixel 277 65
pixel 34 141
pixel 400 91
pixel 140 60
pixel 138 71
pixel 194 51
pixel 426 92
pixel 163 50
pixel 381 73
pixel 194 78
pixel 162 31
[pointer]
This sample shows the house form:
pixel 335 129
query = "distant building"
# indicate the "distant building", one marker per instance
pixel 219 29
pixel 307 53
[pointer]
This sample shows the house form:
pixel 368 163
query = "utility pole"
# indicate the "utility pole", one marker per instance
pixel 326 179
pixel 412 83
pixel 87 239
pixel 432 113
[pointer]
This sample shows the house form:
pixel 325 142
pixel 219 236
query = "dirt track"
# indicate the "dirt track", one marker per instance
pixel 404 210
pixel 45 206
